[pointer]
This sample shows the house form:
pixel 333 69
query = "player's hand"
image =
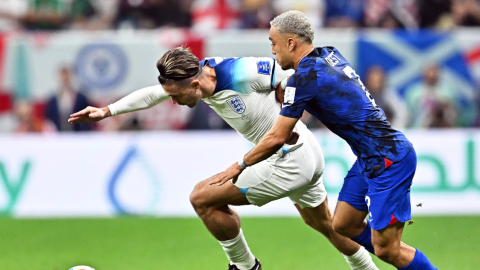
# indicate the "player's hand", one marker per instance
pixel 89 114
pixel 221 178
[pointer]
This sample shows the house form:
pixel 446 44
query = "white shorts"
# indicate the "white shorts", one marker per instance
pixel 296 174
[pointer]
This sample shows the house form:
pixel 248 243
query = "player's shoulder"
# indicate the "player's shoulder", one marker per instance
pixel 322 57
pixel 218 62
pixel 241 65
pixel 305 74
pixel 242 74
pixel 221 61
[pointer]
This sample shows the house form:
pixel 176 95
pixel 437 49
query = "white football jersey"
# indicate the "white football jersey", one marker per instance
pixel 244 95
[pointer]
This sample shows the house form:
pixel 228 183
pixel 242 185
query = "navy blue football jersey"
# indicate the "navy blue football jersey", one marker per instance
pixel 326 86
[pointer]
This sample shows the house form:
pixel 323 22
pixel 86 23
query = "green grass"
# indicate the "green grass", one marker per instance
pixel 183 243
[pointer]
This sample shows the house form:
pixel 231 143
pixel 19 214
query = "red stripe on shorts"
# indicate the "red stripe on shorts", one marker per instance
pixel 388 163
pixel 393 220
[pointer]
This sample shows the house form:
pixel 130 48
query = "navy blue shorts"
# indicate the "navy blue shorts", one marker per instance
pixel 381 188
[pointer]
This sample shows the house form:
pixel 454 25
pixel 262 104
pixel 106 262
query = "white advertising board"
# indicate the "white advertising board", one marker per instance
pixel 154 173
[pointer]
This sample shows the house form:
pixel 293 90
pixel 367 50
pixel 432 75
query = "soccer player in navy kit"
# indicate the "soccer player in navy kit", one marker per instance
pixel 378 184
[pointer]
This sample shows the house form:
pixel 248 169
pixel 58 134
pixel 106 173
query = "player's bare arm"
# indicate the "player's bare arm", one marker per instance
pixel 270 143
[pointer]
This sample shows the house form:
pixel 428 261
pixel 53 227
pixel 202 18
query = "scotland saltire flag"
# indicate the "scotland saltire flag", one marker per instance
pixel 237 104
pixel 404 55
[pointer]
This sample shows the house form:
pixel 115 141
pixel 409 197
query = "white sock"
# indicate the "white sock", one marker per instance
pixel 238 252
pixel 361 260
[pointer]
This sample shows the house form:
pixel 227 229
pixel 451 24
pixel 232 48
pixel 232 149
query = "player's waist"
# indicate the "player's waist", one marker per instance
pixel 394 154
pixel 294 141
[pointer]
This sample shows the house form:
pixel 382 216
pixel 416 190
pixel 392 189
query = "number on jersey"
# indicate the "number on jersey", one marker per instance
pixel 352 75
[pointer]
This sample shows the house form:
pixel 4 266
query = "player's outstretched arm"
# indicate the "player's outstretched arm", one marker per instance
pixel 142 99
pixel 139 100
pixel 89 114
pixel 270 143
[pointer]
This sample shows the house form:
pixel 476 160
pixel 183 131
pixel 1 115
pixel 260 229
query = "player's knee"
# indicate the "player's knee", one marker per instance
pixel 341 228
pixel 325 227
pixel 386 253
pixel 197 199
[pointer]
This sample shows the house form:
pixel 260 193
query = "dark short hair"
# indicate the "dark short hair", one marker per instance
pixel 178 64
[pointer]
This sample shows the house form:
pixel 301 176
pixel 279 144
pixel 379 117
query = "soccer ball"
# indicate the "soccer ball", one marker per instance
pixel 81 267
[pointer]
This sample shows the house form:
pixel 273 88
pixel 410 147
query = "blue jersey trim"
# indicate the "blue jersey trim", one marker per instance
pixel 273 74
pixel 223 70
pixel 244 190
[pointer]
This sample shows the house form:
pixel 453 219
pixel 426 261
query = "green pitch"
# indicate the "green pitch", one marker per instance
pixel 178 243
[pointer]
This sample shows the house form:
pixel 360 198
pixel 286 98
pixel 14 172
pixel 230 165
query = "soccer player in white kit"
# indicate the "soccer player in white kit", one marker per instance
pixel 241 91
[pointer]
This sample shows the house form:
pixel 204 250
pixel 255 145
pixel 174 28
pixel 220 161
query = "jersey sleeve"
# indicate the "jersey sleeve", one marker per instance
pixel 139 100
pixel 265 74
pixel 295 99
pixel 280 75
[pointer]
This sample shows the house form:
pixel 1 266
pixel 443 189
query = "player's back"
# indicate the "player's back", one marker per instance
pixel 327 87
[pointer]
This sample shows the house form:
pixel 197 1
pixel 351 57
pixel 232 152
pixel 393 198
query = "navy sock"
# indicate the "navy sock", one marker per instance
pixel 420 262
pixel 365 239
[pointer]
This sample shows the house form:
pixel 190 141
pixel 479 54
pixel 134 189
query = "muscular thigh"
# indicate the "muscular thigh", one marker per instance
pixel 226 194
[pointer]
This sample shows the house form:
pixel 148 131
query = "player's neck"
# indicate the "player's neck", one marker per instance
pixel 208 81
pixel 301 53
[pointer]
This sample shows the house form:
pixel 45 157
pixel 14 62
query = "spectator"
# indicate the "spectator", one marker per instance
pixel 105 14
pixel 11 12
pixel 344 13
pixel 256 14
pixel 203 117
pixel 67 101
pixel 28 122
pixel 387 98
pixel 466 12
pixel 45 15
pixel 432 101
pixel 431 12
pixel 171 13
pixel 149 14
pixel 391 14
pixel 81 14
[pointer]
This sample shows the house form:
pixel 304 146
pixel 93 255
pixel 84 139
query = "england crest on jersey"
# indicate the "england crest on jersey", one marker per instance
pixel 263 67
pixel 237 104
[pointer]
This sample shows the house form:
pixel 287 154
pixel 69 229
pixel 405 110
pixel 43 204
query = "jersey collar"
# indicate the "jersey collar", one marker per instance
pixel 317 52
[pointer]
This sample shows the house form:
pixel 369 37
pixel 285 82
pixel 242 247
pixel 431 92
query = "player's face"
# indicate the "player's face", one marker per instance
pixel 280 49
pixel 187 96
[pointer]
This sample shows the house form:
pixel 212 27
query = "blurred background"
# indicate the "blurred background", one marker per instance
pixel 420 60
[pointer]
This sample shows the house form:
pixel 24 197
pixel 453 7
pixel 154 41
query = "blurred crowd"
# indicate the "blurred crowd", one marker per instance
pixel 432 102
pixel 205 15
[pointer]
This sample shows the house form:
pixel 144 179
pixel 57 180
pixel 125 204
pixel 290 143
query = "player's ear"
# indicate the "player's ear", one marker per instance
pixel 291 43
pixel 195 84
